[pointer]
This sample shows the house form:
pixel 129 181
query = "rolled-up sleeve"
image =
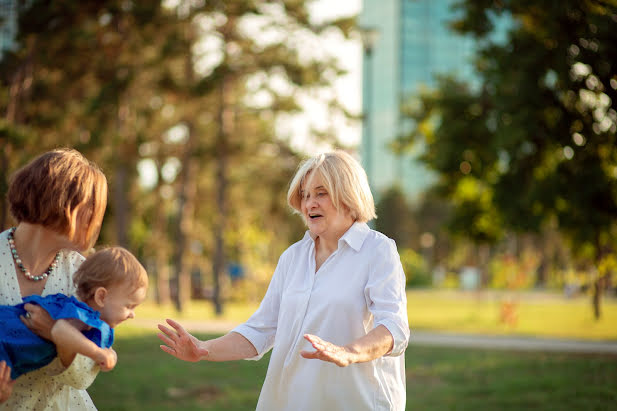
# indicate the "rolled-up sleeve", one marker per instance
pixel 385 294
pixel 260 328
pixel 80 374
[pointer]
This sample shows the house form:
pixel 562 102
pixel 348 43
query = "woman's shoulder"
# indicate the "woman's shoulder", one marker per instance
pixel 71 257
pixel 380 243
pixel 298 247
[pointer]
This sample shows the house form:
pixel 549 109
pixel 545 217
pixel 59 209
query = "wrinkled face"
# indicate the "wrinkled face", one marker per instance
pixel 319 212
pixel 120 303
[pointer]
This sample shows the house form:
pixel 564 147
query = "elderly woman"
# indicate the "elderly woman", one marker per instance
pixel 58 201
pixel 337 298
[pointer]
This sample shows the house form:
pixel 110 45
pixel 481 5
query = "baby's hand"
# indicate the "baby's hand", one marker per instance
pixel 107 359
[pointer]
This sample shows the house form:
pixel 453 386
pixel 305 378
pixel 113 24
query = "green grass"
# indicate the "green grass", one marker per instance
pixel 437 379
pixel 146 378
pixel 538 314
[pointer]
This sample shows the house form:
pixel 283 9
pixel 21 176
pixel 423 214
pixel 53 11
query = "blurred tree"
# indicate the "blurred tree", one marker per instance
pixel 178 102
pixel 536 140
pixel 395 218
pixel 255 80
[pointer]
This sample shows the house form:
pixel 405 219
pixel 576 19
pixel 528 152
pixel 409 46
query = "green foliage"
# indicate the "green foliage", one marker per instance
pixel 508 272
pixel 131 85
pixel 538 135
pixel 395 218
pixel 416 269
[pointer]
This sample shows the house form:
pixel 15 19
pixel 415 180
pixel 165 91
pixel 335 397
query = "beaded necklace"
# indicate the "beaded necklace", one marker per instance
pixel 19 263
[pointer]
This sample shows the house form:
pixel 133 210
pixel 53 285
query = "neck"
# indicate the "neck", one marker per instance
pixel 329 243
pixel 37 246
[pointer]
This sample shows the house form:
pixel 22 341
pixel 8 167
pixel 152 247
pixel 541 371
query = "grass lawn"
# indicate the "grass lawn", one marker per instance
pixel 437 379
pixel 536 314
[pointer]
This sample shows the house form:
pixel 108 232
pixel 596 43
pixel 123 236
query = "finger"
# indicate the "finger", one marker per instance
pixel 168 341
pixel 315 340
pixel 180 329
pixel 318 345
pixel 168 332
pixel 311 338
pixel 33 309
pixel 169 351
pixel 3 371
pixel 25 320
pixel 312 355
pixel 6 373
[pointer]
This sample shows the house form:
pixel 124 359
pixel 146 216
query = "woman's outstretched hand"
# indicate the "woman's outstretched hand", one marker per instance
pixel 180 343
pixel 326 351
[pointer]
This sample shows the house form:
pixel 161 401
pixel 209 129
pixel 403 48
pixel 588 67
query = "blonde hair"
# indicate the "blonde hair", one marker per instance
pixel 106 268
pixel 344 179
pixel 50 189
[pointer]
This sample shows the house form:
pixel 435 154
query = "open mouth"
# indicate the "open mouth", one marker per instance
pixel 314 216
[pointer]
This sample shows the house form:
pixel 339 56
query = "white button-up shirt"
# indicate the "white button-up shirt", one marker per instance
pixel 360 286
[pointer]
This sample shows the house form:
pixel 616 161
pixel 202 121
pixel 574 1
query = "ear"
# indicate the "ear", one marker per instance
pixel 99 296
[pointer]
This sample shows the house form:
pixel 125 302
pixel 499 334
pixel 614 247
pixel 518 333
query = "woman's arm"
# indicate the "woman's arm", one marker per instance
pixel 184 346
pixel 70 341
pixel 377 343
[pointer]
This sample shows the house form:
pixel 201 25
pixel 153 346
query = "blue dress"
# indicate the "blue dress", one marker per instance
pixel 25 351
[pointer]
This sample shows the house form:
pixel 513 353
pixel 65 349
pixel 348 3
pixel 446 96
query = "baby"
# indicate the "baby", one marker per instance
pixel 110 283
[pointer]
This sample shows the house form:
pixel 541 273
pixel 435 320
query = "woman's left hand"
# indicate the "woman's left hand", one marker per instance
pixel 38 320
pixel 6 384
pixel 326 351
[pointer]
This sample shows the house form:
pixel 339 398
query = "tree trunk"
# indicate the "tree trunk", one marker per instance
pixel 160 251
pixel 225 124
pixel 121 204
pixel 597 297
pixel 186 206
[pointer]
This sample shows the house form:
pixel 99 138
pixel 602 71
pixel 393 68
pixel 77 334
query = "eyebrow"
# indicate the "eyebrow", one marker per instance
pixel 316 188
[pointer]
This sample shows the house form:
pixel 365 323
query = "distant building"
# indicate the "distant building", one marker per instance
pixel 413 44
pixel 8 25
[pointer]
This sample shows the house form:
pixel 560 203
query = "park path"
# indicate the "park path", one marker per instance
pixel 443 339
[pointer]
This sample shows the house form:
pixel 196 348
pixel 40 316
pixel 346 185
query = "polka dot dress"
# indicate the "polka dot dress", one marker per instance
pixel 52 387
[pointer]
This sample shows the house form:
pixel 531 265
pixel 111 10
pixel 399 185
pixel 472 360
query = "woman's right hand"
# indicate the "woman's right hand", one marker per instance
pixel 180 343
pixel 38 320
pixel 6 384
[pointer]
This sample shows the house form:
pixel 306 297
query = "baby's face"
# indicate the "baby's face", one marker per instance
pixel 120 303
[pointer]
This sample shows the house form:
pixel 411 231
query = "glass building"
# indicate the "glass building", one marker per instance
pixel 413 43
pixel 8 25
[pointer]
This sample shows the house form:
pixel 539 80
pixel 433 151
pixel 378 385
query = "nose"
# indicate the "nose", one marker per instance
pixel 310 202
pixel 131 314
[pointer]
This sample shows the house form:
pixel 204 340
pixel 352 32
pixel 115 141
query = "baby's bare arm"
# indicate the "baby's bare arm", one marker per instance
pixel 69 341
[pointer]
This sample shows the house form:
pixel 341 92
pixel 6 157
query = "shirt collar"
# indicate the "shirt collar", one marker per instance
pixel 354 237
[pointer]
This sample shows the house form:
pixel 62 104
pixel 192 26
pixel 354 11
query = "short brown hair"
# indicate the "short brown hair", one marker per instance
pixel 49 189
pixel 106 268
pixel 343 177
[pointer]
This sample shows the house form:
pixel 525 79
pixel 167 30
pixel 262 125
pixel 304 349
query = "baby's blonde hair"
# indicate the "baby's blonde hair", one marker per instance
pixel 106 268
